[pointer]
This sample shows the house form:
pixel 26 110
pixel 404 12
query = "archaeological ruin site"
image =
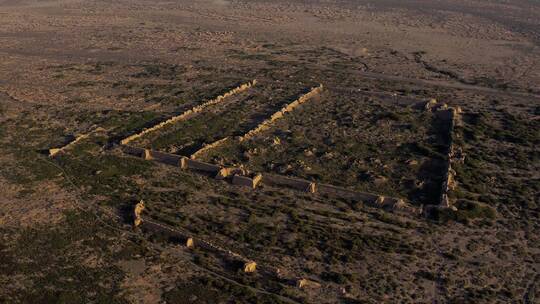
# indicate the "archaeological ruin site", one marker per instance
pixel 220 151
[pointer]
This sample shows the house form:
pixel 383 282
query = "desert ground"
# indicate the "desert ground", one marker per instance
pixel 84 76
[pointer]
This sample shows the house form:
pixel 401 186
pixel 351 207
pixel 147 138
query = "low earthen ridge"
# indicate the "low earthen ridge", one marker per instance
pixel 209 147
pixel 55 151
pixel 187 113
pixel 265 125
pixel 253 180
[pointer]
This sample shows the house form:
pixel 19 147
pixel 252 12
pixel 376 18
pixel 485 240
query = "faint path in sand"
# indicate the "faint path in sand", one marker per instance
pixel 448 84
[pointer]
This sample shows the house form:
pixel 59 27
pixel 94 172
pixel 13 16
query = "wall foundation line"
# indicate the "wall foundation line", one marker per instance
pixel 56 151
pixel 265 125
pixel 209 147
pixel 252 180
pixel 453 156
pixel 189 112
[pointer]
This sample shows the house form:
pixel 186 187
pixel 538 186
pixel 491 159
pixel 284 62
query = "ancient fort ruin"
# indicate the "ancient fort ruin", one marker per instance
pixel 254 180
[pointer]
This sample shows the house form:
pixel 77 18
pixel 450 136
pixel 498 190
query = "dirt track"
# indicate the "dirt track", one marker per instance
pixel 452 85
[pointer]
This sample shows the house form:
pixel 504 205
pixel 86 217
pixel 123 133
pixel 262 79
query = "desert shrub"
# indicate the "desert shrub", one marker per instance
pixel 335 277
pixel 466 211
pixel 214 290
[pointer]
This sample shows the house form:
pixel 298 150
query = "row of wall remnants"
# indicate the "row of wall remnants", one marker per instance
pixel 209 147
pixel 190 241
pixel 452 116
pixel 265 125
pixel 137 212
pixel 289 182
pixel 190 112
pixel 55 151
pixel 242 177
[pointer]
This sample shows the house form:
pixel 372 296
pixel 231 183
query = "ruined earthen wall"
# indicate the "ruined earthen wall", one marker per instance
pixel 188 113
pixel 197 241
pixel 55 151
pixel 229 171
pixel 265 125
pixel 247 181
pixel 166 158
pixel 135 151
pixel 449 181
pixel 346 193
pixel 209 147
pixel 240 177
pixel 201 166
pixel 289 182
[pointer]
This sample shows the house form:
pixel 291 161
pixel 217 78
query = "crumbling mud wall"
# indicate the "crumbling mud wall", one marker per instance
pixel 201 166
pixel 252 180
pixel 370 199
pixel 166 158
pixel 248 264
pixel 307 284
pixel 289 182
pixel 247 181
pixel 137 211
pixel 55 151
pixel 209 147
pixel 265 125
pixel 135 151
pixel 190 112
pixel 452 117
pixel 230 171
pixel 346 193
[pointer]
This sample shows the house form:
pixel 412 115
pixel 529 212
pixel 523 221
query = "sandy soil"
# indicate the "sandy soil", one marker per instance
pixel 68 67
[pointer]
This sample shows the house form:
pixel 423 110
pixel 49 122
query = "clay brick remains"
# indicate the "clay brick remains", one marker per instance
pixel 307 284
pixel 55 151
pixel 251 182
pixel 209 147
pixel 188 113
pixel 265 125
pixel 137 219
pixel 250 267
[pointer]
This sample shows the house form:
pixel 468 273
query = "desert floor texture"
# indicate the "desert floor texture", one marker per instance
pixel 106 70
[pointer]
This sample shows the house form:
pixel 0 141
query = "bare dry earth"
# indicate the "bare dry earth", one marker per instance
pixel 68 67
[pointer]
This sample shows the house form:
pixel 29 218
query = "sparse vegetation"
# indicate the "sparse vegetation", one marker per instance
pixel 110 70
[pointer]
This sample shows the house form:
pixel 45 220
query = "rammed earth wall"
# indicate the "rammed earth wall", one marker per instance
pixel 449 181
pixel 239 177
pixel 289 182
pixel 166 158
pixel 189 112
pixel 265 125
pixel 210 147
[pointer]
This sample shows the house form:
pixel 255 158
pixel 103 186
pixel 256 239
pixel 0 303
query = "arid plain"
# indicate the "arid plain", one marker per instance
pixel 354 151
